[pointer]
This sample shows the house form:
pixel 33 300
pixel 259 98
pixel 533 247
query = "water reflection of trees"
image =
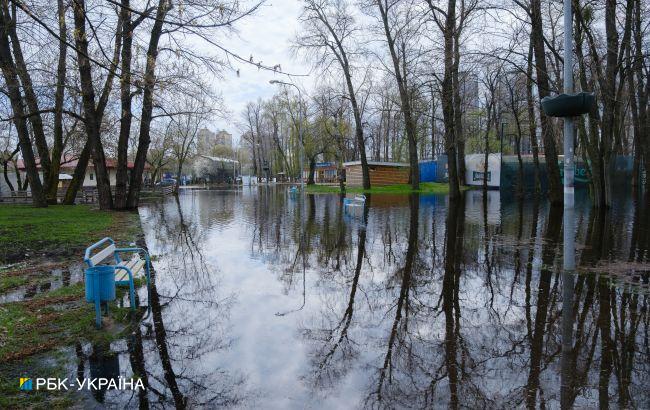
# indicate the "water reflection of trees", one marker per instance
pixel 175 351
pixel 436 305
pixel 480 326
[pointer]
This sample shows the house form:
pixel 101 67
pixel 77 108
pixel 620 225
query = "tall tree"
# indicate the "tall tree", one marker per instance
pixel 606 75
pixel 10 73
pixel 31 100
pixel 447 24
pixel 329 26
pixel 397 55
pixel 91 111
pixel 147 104
pixel 59 95
pixel 534 10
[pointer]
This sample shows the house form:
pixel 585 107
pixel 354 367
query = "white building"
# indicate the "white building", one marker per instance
pixel 67 169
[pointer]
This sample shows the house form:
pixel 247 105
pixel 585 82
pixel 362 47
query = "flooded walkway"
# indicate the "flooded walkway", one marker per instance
pixel 411 303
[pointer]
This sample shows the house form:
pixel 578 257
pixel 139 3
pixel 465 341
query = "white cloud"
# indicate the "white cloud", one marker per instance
pixel 266 36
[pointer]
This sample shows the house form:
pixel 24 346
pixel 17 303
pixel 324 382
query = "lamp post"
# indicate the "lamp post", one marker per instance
pixel 569 218
pixel 302 188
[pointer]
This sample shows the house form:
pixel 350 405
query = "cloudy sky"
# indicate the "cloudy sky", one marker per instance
pixel 267 37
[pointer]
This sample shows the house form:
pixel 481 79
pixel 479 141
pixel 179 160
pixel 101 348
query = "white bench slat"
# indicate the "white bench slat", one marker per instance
pixel 103 254
pixel 135 264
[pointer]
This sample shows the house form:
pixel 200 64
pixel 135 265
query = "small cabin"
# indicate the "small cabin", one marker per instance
pixel 475 170
pixel 324 173
pixel 381 173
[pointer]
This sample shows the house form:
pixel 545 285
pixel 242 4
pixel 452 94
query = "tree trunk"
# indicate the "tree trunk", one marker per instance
pixel 17 172
pixel 555 191
pixel 30 99
pixel 57 145
pixel 532 124
pixel 121 176
pixel 78 176
pixel 312 171
pixel 84 158
pixel 449 116
pixel 90 111
pixel 147 105
pixel 486 158
pixel 458 110
pixel 642 88
pixel 409 123
pixel 5 170
pixel 13 91
pixel 179 171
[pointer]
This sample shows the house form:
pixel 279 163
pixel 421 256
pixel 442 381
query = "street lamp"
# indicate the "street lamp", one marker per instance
pixel 302 185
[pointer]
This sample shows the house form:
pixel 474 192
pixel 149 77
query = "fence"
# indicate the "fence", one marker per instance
pixel 84 196
pixel 168 190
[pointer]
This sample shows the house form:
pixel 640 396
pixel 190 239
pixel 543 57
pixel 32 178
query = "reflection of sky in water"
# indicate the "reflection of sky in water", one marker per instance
pixel 237 326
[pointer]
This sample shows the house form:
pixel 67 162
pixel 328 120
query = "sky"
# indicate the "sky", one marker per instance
pixel 267 37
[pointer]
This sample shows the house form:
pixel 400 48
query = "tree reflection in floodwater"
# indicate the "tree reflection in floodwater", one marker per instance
pixel 415 302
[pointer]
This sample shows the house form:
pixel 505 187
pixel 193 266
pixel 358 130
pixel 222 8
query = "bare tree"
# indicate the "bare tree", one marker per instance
pixel 395 19
pixel 330 32
pixel 534 10
pixel 182 130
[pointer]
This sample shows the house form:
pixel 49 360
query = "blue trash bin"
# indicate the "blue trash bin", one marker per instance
pixel 100 279
pixel 100 287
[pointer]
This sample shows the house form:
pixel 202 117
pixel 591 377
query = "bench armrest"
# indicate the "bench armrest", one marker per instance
pixel 95 246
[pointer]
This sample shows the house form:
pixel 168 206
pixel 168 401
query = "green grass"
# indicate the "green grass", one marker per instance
pixel 10 282
pixel 425 188
pixel 34 328
pixel 24 225
pixel 38 325
pixel 25 229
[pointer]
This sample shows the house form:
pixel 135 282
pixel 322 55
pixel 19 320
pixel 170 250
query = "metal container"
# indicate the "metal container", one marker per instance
pixel 100 283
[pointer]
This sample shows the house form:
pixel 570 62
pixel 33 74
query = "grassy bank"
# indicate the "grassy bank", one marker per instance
pixel 42 246
pixel 425 188
pixel 56 230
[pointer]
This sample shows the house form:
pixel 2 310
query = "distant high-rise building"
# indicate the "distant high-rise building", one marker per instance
pixel 469 90
pixel 208 140
pixel 223 137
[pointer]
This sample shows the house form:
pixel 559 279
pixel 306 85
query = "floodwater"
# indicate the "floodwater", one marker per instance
pixel 410 303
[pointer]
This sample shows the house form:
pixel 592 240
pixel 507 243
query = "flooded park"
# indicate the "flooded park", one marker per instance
pixel 324 204
pixel 409 303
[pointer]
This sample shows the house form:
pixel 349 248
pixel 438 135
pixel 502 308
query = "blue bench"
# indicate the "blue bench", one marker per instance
pixel 125 270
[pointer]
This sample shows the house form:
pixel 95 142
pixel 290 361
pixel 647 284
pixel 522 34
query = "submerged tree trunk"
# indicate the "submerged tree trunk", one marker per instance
pixel 449 117
pixel 555 192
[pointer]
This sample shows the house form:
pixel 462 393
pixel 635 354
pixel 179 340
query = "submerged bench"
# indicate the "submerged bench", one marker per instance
pixel 125 270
